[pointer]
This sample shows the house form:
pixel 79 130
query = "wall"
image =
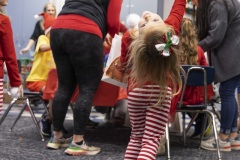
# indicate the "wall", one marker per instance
pixel 21 13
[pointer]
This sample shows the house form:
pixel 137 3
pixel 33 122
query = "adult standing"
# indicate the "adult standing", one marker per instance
pixel 218 22
pixel 48 8
pixel 8 55
pixel 77 45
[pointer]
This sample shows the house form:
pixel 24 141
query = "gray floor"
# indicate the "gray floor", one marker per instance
pixel 24 143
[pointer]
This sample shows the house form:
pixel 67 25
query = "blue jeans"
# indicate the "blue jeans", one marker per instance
pixel 229 106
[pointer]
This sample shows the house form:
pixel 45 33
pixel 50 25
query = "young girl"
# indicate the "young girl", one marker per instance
pixel 8 55
pixel 43 62
pixel 154 77
pixel 192 54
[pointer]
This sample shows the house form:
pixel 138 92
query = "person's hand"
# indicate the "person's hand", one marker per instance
pixel 119 66
pixel 24 50
pixel 16 92
pixel 108 40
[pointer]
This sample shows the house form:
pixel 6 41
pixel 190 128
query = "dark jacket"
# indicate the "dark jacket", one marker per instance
pixel 223 38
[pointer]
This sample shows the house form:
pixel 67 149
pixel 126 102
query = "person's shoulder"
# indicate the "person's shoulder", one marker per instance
pixel 4 18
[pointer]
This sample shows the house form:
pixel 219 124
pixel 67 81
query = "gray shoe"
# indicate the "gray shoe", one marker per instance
pixel 56 143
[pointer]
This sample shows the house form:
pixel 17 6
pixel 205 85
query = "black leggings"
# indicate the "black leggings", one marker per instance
pixel 79 61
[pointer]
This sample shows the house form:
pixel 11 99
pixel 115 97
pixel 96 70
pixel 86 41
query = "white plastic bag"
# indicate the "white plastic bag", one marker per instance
pixel 111 74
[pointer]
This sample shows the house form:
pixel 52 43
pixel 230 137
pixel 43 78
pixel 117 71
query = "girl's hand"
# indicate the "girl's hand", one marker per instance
pixel 16 92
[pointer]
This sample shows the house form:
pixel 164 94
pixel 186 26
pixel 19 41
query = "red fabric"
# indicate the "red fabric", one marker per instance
pixel 7 52
pixel 72 21
pixel 122 28
pixel 48 20
pixel 51 85
pixel 106 94
pixel 36 86
pixel 126 41
pixel 175 17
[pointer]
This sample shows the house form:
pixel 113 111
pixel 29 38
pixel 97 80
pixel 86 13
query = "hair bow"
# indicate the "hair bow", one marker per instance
pixel 165 47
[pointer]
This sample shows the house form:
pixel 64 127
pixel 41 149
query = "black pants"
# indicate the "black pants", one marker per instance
pixel 79 61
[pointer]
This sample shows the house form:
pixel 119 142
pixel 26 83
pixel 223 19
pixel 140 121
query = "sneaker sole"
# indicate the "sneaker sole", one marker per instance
pixel 53 146
pixel 82 152
pixel 214 149
pixel 236 147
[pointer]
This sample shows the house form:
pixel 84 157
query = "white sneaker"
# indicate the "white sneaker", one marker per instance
pixel 83 149
pixel 235 143
pixel 212 146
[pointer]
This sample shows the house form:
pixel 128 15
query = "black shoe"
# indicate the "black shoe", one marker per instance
pixel 45 126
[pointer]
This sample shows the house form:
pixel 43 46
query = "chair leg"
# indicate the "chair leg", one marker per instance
pixel 203 128
pixel 215 134
pixel 108 115
pixel 184 129
pixel 168 142
pixel 7 110
pixel 19 115
pixel 34 118
pixel 191 122
pixel 214 108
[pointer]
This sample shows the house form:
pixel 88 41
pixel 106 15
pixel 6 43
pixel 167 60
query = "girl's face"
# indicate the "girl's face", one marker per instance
pixel 195 2
pixel 3 2
pixel 50 10
pixel 148 18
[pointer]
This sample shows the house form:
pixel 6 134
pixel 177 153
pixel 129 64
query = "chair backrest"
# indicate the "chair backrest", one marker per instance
pixel 197 76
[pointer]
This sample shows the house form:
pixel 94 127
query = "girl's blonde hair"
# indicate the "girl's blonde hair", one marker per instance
pixel 49 4
pixel 188 43
pixel 148 65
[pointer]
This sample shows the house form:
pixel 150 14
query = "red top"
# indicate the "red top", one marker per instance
pixel 7 52
pixel 72 21
pixel 193 95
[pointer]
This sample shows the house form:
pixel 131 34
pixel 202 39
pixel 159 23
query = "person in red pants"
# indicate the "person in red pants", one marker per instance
pixel 8 55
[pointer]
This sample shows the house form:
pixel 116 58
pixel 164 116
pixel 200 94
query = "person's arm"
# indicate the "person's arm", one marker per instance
pixel 113 16
pixel 126 41
pixel 123 28
pixel 44 47
pixel 201 58
pixel 43 44
pixel 28 47
pixel 9 54
pixel 175 17
pixel 36 33
pixel 218 19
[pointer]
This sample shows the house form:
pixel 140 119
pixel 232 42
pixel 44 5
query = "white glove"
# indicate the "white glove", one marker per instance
pixel 14 92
